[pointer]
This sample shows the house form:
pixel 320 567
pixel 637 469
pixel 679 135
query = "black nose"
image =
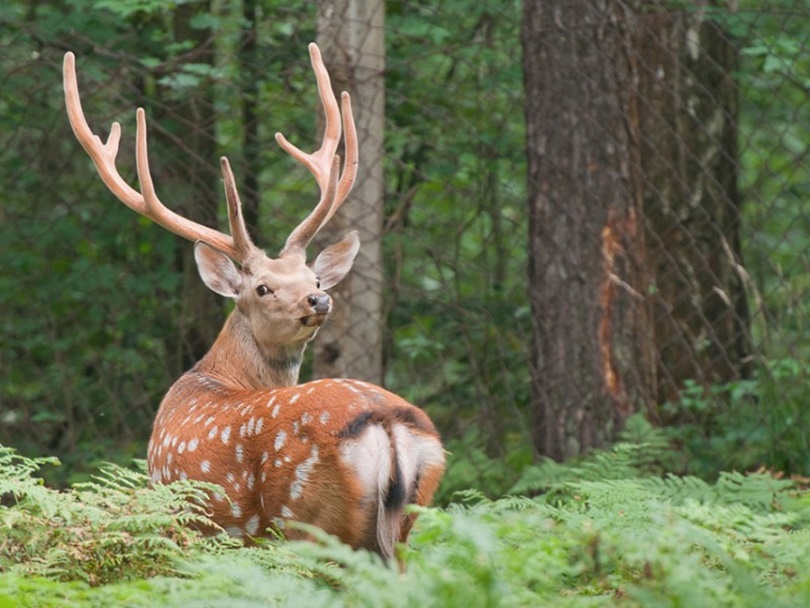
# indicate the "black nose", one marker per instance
pixel 320 302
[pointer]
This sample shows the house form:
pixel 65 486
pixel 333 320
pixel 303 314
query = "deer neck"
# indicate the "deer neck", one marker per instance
pixel 237 360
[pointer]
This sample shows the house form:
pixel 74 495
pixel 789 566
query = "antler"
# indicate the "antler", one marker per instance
pixel 147 202
pixel 324 163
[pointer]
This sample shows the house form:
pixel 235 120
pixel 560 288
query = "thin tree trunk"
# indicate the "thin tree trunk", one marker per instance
pixel 249 64
pixel 197 183
pixel 351 37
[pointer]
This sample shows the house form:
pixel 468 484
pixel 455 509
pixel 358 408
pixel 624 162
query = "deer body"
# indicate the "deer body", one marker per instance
pixel 344 455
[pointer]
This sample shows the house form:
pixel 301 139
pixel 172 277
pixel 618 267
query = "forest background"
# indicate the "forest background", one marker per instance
pixel 586 254
pixel 630 236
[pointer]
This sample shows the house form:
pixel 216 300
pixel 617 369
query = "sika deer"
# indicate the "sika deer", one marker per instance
pixel 344 455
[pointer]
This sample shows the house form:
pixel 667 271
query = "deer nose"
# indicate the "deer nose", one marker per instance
pixel 320 302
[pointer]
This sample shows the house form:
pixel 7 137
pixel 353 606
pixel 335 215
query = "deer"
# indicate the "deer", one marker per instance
pixel 342 455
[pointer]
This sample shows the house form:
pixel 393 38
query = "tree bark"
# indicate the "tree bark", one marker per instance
pixel 635 272
pixel 351 38
pixel 592 363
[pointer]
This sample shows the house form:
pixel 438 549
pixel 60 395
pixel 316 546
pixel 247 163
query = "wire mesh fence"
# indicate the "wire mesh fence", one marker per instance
pixel 477 253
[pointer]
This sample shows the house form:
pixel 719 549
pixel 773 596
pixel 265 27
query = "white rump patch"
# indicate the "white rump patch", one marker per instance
pixel 370 457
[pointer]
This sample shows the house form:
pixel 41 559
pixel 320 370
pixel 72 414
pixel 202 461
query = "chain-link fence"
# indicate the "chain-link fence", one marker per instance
pixel 707 276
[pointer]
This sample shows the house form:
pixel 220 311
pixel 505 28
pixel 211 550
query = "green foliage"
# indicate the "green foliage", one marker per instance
pixel 109 529
pixel 760 422
pixel 610 529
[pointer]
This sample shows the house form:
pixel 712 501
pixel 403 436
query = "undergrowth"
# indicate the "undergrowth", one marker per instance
pixel 612 529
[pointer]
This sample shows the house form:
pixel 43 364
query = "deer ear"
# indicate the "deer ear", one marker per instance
pixel 217 270
pixel 335 261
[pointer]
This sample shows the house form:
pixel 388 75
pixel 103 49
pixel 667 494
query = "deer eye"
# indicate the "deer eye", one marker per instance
pixel 262 290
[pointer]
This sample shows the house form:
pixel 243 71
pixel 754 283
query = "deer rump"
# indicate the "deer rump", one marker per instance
pixel 348 461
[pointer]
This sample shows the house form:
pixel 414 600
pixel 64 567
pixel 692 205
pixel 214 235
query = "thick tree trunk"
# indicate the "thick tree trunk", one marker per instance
pixel 635 272
pixel 351 37
pixel 592 363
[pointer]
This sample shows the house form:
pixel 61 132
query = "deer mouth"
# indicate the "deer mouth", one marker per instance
pixel 314 320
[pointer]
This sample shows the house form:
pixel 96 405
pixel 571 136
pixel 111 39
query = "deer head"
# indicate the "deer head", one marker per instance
pixel 281 302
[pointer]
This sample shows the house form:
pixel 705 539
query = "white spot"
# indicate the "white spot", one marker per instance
pixel 324 418
pixel 219 497
pixel 192 445
pixel 287 459
pixel 236 510
pixel 240 452
pixel 236 487
pixel 280 439
pixel 271 401
pixel 306 418
pixel 294 398
pixel 209 421
pixel 226 434
pixel 265 456
pixel 296 424
pixel 310 390
pixel 242 429
pixel 230 477
pixel 251 425
pixel 261 500
pixel 252 525
pixel 183 475
pixel 259 424
pixel 167 440
pixel 169 458
pixel 156 476
pixel 264 476
pixel 285 512
pixel 174 441
pixel 251 479
pixel 274 413
pixel 277 463
pixel 181 448
pixel 302 472
pixel 205 466
pixel 213 432
pixel 235 531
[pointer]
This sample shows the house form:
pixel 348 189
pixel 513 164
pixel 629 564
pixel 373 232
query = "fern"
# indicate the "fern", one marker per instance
pixel 635 537
pixel 112 528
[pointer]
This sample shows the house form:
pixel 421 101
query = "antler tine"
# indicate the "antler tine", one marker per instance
pixel 104 154
pixel 306 230
pixel 321 162
pixel 239 232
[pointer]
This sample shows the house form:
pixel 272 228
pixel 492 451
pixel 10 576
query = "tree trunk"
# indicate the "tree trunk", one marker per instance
pixel 193 176
pixel 688 112
pixel 635 272
pixel 351 38
pixel 592 363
